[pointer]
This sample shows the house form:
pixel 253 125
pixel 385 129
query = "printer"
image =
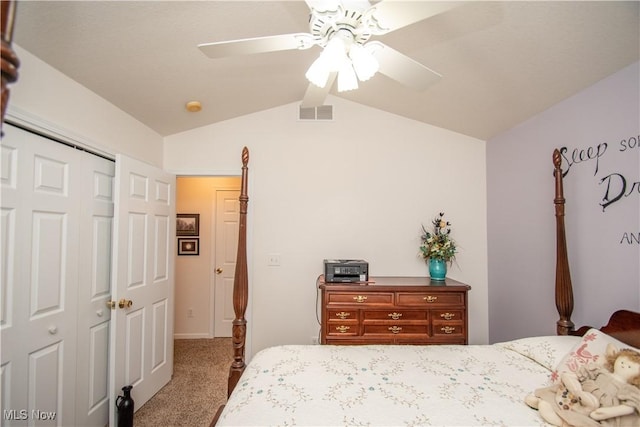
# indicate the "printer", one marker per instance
pixel 346 270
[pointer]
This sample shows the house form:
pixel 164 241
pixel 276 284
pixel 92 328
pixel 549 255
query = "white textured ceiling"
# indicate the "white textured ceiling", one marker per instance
pixel 501 62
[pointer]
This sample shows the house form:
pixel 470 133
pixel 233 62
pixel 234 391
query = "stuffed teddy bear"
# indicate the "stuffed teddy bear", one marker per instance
pixel 595 395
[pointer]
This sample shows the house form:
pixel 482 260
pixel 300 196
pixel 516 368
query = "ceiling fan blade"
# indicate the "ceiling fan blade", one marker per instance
pixel 394 14
pixel 323 5
pixel 257 45
pixel 401 68
pixel 315 95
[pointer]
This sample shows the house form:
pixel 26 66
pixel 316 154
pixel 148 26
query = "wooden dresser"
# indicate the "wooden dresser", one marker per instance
pixel 394 310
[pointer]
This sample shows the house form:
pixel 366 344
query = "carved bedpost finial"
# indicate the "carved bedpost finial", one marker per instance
pixel 245 157
pixel 557 159
pixel 564 290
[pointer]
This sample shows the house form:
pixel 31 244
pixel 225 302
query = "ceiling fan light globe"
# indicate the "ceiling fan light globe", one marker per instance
pixel 347 79
pixel 335 54
pixel 318 73
pixel 364 63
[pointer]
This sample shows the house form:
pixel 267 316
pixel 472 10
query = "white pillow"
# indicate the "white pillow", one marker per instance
pixel 548 351
pixel 590 349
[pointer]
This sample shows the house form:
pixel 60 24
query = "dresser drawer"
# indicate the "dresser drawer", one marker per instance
pixel 448 330
pixel 360 298
pixel 447 315
pixel 395 315
pixel 398 329
pixel 343 329
pixel 431 299
pixel 342 315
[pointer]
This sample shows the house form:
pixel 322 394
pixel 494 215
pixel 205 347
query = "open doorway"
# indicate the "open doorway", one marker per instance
pixel 205 257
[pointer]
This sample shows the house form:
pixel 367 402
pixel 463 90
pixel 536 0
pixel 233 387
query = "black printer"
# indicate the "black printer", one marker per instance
pixel 346 270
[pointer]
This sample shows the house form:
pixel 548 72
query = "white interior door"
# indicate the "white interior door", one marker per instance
pixel 141 349
pixel 227 217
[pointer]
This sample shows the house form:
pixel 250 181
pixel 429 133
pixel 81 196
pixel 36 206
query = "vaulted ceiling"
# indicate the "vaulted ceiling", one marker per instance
pixel 501 62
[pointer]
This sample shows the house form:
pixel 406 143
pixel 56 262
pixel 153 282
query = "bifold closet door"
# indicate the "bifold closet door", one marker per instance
pixel 144 247
pixel 46 355
pixel 94 291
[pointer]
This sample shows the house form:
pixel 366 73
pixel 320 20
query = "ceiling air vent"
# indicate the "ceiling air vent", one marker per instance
pixel 323 112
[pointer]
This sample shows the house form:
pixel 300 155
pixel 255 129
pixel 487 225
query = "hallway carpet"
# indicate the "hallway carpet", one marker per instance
pixel 197 389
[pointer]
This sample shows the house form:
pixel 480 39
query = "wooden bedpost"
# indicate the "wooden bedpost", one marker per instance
pixel 10 62
pixel 564 290
pixel 240 285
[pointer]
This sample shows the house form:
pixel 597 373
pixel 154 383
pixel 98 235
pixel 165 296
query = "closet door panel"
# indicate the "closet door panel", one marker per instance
pixel 8 181
pixel 96 228
pixel 40 200
pixel 48 267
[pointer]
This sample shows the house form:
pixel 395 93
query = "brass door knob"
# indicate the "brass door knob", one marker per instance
pixel 125 303
pixel 219 270
pixel 111 304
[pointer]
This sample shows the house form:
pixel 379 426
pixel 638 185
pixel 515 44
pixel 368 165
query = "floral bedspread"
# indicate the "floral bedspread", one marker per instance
pixel 386 385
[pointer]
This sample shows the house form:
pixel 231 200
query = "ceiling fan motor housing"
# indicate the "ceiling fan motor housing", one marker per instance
pixel 324 24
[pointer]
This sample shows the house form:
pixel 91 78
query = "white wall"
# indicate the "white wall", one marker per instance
pixel 356 187
pixel 46 97
pixel 605 264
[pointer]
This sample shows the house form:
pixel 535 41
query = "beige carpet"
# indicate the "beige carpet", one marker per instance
pixel 197 389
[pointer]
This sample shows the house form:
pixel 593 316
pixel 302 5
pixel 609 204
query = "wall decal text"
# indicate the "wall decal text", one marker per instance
pixel 615 186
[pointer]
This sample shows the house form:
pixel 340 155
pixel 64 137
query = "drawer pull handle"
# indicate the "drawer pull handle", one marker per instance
pixel 394 315
pixel 430 298
pixel 448 329
pixel 395 329
pixel 343 315
pixel 342 329
pixel 360 298
pixel 447 316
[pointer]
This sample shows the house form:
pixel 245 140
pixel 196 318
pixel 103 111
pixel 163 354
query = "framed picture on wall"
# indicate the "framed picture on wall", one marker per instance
pixel 188 246
pixel 188 224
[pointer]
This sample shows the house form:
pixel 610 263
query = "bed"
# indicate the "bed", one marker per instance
pixel 410 384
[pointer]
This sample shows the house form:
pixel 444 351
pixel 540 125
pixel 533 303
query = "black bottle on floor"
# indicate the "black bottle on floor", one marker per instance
pixel 124 404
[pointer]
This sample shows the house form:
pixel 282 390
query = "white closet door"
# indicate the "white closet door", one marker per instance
pixel 143 273
pixel 40 221
pixel 96 229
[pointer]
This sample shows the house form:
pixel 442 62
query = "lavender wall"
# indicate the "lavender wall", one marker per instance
pixel 600 128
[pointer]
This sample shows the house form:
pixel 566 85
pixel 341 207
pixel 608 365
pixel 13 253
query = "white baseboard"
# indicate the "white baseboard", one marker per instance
pixel 190 336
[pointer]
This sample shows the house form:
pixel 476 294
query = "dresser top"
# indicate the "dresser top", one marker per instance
pixel 395 282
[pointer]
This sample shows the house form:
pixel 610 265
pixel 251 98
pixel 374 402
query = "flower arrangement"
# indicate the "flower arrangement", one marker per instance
pixel 438 244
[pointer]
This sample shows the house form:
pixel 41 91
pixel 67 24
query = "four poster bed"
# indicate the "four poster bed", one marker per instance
pixel 406 384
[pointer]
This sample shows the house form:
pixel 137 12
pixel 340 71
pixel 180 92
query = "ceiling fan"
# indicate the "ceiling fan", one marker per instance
pixel 343 29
